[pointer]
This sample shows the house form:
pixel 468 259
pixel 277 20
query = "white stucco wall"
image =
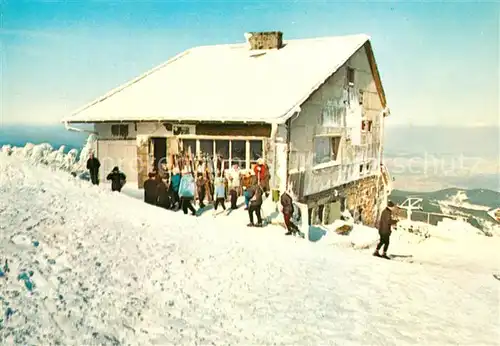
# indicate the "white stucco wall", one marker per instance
pixel 104 131
pixel 151 129
pixel 309 124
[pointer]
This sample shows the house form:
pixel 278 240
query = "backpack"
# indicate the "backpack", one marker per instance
pixel 187 186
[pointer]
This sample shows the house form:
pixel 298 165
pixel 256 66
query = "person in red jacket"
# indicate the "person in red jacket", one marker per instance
pixel 262 174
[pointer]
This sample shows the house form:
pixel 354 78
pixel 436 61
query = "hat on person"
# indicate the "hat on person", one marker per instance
pixel 390 204
pixel 260 161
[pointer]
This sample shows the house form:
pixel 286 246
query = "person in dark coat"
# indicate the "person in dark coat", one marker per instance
pixel 151 189
pixel 287 209
pixel 384 229
pixel 117 178
pixel 175 182
pixel 255 205
pixel 163 200
pixel 93 166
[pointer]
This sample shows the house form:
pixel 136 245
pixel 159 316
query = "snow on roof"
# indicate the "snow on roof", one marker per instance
pixel 226 83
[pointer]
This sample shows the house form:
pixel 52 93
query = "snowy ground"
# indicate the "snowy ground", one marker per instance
pixel 111 270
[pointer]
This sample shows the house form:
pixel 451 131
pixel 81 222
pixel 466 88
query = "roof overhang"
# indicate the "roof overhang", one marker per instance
pixel 376 76
pixel 171 121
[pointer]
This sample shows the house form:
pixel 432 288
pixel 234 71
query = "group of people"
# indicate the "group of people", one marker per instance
pixel 178 189
pixel 117 178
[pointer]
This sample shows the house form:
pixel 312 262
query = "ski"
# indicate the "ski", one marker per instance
pixel 399 258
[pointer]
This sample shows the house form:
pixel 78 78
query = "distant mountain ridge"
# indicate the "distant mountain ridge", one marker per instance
pixel 482 197
pixel 474 205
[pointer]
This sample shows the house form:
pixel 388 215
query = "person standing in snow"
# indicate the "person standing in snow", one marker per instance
pixel 163 200
pixel 384 229
pixel 201 189
pixel 187 188
pixel 234 185
pixel 249 180
pixel 261 171
pixel 117 178
pixel 219 193
pixel 255 205
pixel 175 181
pixel 287 210
pixel 150 189
pixel 93 166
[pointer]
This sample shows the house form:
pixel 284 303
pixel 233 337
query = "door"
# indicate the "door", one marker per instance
pixel 121 153
pixel 159 151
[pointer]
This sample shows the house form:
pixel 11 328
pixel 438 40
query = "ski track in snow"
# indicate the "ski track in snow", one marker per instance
pixel 129 273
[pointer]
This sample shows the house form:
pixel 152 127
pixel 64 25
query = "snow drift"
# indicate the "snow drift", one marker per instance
pixel 108 269
pixel 45 154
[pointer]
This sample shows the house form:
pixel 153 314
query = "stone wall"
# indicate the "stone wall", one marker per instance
pixel 362 198
pixel 364 194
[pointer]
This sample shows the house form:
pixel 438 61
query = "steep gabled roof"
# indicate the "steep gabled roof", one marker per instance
pixel 229 83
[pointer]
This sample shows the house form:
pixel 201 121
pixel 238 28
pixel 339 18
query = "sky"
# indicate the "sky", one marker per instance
pixel 439 61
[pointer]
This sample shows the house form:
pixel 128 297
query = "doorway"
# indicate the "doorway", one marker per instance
pixel 159 151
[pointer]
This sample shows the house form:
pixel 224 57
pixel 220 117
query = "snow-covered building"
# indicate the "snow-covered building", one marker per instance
pixel 314 109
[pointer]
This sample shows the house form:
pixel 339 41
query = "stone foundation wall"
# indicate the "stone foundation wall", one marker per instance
pixel 363 194
pixel 363 198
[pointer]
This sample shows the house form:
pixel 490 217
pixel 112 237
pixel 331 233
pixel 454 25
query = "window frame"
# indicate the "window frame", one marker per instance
pixel 351 75
pixel 247 161
pixel 335 153
pixel 120 132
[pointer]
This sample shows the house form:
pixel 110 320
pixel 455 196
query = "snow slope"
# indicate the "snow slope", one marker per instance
pixel 111 270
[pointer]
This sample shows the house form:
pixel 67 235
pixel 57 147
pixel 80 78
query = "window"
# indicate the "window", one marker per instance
pixel 119 130
pixel 366 125
pixel 222 150
pixel 320 213
pixel 256 151
pixel 350 75
pixel 189 144
pixel 181 130
pixel 326 149
pixel 231 151
pixel 207 148
pixel 238 153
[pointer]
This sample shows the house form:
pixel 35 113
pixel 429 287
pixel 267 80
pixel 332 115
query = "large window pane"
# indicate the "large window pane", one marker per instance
pixel 256 151
pixel 222 150
pixel 322 150
pixel 207 148
pixel 189 144
pixel 326 149
pixel 238 153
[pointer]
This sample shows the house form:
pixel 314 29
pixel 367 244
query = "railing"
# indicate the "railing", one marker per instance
pixel 426 217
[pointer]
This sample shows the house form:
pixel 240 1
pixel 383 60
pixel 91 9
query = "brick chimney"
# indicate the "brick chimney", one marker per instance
pixel 265 40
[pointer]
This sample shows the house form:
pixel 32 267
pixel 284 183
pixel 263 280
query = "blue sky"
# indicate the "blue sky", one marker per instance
pixel 438 61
